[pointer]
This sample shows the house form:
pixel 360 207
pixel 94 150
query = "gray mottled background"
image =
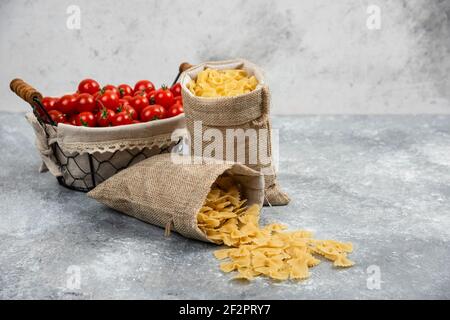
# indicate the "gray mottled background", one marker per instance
pixel 319 56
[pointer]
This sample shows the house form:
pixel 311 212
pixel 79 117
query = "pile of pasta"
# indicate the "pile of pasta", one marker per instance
pixel 261 251
pixel 222 83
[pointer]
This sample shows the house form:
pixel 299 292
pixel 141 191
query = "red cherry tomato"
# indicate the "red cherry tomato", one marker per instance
pixel 164 97
pixel 112 88
pixel 128 109
pixel 131 111
pixel 72 119
pixel 123 102
pixel 178 99
pixel 153 112
pixel 105 117
pixel 96 95
pixel 85 119
pixel 128 98
pixel 67 103
pixel 175 110
pixel 85 102
pixel 57 116
pixel 108 99
pixel 162 111
pixel 176 89
pixel 151 96
pixel 122 118
pixel 138 103
pixel 88 86
pixel 49 103
pixel 142 85
pixel 125 90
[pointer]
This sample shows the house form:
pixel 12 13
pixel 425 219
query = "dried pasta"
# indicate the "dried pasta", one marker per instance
pixel 261 251
pixel 222 83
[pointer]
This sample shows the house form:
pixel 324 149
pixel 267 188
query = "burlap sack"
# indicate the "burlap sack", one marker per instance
pixel 83 157
pixel 248 111
pixel 168 190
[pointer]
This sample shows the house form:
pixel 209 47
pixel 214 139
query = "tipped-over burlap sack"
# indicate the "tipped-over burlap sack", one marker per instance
pixel 247 111
pixel 168 190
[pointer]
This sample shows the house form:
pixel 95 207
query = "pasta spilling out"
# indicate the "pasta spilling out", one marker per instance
pixel 222 83
pixel 261 251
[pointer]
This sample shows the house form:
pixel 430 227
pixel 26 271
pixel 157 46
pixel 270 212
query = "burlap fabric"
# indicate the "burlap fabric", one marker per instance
pixel 248 111
pixel 70 151
pixel 168 190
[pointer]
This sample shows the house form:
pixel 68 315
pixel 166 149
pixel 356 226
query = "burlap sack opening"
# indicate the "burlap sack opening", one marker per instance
pixel 83 157
pixel 247 111
pixel 168 190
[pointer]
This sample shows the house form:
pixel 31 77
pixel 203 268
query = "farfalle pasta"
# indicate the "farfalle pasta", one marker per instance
pixel 222 83
pixel 261 251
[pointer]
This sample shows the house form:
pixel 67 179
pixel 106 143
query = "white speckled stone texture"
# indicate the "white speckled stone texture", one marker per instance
pixel 319 55
pixel 381 182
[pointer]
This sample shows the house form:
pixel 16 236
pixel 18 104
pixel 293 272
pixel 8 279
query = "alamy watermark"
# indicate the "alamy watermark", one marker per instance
pixel 73 281
pixel 373 21
pixel 250 146
pixel 73 21
pixel 373 282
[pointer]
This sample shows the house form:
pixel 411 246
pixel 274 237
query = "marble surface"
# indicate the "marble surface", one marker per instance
pixel 319 55
pixel 381 182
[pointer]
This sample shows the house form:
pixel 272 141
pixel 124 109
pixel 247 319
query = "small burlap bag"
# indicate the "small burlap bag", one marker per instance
pixel 247 111
pixel 168 190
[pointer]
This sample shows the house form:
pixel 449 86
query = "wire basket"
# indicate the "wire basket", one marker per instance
pixel 85 169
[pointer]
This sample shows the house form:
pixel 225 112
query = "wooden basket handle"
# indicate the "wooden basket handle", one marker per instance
pixel 25 91
pixel 184 66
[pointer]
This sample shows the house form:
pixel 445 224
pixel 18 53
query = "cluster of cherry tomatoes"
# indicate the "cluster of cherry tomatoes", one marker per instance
pixel 93 106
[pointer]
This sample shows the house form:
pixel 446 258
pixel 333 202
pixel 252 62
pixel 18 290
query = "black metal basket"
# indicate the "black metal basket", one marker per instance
pixel 84 171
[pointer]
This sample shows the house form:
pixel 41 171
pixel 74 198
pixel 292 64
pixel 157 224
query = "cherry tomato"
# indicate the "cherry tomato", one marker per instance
pixel 105 117
pixel 49 103
pixel 128 109
pixel 164 97
pixel 85 102
pixel 178 99
pixel 162 111
pixel 85 119
pixel 72 120
pixel 57 116
pixel 123 102
pixel 108 99
pixel 128 98
pixel 125 90
pixel 142 85
pixel 138 103
pixel 96 95
pixel 153 112
pixel 151 96
pixel 175 110
pixel 67 103
pixel 122 118
pixel 176 89
pixel 88 86
pixel 112 88
pixel 139 93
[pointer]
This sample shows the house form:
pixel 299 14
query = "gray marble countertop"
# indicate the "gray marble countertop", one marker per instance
pixel 381 182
